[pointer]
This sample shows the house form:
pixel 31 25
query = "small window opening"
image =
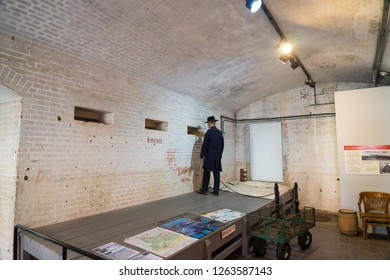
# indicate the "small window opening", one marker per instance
pixel 195 131
pixel 95 116
pixel 156 125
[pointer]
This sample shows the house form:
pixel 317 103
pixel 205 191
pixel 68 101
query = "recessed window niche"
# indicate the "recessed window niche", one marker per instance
pixel 91 115
pixel 191 130
pixel 156 125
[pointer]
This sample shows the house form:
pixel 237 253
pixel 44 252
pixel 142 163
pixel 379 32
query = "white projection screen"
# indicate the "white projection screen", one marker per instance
pixel 266 152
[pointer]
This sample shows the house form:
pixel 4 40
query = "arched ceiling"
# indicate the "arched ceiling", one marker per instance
pixel 215 51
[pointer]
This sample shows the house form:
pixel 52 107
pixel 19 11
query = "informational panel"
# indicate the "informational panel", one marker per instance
pixel 266 152
pixel 374 160
pixel 363 138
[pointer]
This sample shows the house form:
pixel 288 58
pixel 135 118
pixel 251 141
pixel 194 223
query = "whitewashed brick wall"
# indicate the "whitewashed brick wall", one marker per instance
pixel 9 145
pixel 309 144
pixel 69 169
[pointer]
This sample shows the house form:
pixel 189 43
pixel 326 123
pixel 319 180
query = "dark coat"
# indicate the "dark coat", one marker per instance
pixel 212 149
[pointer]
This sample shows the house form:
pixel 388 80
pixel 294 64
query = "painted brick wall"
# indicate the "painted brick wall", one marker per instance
pixel 69 169
pixel 309 145
pixel 9 145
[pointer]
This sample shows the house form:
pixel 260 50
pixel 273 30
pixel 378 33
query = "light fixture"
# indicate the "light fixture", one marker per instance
pixel 253 5
pixel 310 83
pixel 284 58
pixel 286 48
pixel 294 63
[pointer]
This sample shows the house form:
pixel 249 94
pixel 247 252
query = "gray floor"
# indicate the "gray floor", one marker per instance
pixel 329 244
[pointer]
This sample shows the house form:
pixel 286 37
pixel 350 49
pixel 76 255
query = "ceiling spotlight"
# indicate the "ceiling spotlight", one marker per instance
pixel 294 63
pixel 286 48
pixel 253 5
pixel 383 73
pixel 284 58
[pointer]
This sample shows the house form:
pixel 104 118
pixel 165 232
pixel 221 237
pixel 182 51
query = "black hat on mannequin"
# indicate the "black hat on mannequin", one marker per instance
pixel 211 119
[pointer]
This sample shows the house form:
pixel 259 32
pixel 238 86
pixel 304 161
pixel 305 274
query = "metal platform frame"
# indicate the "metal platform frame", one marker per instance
pixel 77 238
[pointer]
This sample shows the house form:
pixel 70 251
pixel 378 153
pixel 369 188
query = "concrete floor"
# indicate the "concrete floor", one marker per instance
pixel 329 244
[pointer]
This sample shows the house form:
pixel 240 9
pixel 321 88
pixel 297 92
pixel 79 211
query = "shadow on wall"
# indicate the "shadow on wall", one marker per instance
pixel 197 164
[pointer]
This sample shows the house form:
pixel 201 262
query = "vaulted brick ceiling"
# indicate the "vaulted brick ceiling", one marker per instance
pixel 215 50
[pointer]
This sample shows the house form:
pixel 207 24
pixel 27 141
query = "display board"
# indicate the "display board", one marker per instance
pixel 373 160
pixel 363 141
pixel 266 152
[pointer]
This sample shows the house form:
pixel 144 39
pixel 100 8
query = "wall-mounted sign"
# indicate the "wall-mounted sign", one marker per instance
pixel 155 140
pixel 373 160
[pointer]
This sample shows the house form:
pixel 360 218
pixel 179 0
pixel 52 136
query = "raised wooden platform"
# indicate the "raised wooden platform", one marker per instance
pixel 93 231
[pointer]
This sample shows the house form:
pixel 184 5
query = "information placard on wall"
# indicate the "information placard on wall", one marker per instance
pixel 372 160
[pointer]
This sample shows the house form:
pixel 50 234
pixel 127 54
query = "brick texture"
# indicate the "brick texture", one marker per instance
pixel 69 169
pixel 9 144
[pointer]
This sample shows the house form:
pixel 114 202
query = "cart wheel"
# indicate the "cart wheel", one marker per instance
pixel 260 246
pixel 283 251
pixel 304 240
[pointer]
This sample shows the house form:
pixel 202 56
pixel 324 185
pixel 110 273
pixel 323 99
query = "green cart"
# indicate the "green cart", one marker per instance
pixel 280 224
